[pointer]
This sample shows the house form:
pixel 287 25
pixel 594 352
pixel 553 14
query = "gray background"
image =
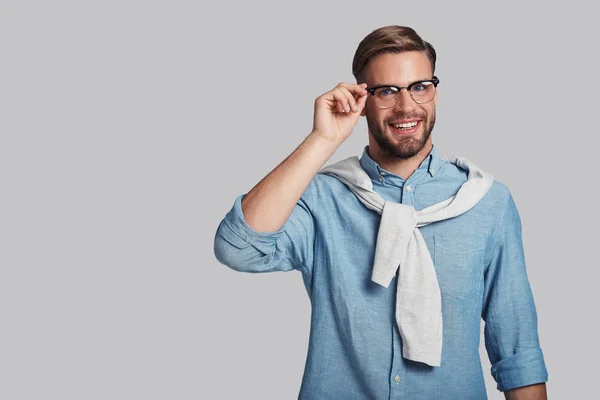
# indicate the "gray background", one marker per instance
pixel 129 127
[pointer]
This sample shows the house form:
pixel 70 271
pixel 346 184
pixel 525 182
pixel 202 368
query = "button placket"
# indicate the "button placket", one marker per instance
pixel 396 378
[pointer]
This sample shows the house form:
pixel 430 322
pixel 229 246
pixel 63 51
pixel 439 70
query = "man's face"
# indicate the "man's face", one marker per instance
pixel 399 69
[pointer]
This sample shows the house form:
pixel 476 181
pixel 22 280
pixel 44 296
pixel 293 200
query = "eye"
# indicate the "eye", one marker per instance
pixel 419 88
pixel 385 92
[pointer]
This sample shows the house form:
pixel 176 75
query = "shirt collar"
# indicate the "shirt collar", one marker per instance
pixel 430 164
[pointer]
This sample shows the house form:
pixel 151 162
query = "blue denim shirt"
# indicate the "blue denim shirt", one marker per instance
pixel 355 349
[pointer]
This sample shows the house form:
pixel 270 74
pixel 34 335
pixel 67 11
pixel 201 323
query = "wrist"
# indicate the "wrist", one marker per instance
pixel 326 139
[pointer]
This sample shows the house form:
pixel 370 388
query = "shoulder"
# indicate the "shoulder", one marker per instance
pixel 498 192
pixel 492 208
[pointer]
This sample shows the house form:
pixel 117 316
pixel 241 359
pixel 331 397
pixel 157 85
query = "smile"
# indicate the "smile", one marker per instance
pixel 405 127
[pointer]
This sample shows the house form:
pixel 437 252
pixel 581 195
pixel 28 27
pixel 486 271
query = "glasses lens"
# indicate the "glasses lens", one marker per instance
pixel 422 92
pixel 385 97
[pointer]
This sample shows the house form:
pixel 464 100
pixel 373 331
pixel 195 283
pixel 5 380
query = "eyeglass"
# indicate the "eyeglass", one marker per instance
pixel 386 96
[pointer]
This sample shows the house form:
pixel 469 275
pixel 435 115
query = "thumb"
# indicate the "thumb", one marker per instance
pixel 360 104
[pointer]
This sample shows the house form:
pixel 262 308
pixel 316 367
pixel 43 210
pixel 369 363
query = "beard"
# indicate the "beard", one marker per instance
pixel 405 147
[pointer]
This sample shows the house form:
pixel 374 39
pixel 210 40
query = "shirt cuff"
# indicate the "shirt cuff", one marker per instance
pixel 522 369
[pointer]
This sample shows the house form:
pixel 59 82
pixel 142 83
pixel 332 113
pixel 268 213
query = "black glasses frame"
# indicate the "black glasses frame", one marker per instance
pixel 433 80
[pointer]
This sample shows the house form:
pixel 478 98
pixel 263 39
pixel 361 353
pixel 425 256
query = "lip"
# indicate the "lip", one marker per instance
pixel 405 131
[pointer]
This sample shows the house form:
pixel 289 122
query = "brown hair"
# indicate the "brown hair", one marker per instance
pixel 389 39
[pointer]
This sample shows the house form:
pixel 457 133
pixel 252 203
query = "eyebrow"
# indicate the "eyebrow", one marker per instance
pixel 390 84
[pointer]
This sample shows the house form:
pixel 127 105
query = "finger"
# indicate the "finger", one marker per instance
pixel 357 89
pixel 360 103
pixel 357 95
pixel 349 100
pixel 342 101
pixel 341 107
pixel 344 97
pixel 364 88
pixel 355 99
pixel 332 100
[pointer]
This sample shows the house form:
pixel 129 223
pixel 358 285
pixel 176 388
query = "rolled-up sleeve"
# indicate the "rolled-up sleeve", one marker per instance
pixel 240 247
pixel 511 333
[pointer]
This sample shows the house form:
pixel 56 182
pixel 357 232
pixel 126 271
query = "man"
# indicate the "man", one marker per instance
pixel 368 340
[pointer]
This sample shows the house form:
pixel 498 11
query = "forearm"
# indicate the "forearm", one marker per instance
pixel 533 392
pixel 269 204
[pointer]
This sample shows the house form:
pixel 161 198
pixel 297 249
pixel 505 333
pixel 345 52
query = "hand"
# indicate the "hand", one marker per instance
pixel 337 111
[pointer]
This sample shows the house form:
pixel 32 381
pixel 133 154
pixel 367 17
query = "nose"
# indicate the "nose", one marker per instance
pixel 404 102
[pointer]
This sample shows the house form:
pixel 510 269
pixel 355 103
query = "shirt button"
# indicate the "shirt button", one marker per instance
pixel 408 188
pixel 383 173
pixel 380 179
pixel 397 378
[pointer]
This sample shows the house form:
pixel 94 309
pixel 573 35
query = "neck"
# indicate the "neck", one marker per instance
pixel 403 167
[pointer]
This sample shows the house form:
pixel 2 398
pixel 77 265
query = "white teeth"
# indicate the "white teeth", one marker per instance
pixel 405 126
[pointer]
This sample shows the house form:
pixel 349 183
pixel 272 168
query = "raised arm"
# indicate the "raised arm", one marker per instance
pixel 269 204
pixel 271 228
